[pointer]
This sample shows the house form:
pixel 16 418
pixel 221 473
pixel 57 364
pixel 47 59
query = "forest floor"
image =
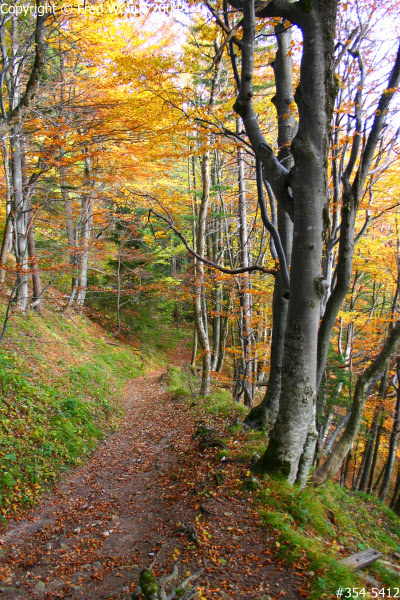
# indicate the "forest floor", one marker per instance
pixel 130 504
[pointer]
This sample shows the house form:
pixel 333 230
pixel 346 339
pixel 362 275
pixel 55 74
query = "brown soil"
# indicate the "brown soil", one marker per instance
pixel 131 503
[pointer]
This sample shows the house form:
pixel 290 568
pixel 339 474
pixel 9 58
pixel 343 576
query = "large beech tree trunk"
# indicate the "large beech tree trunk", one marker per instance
pixel 309 194
pixel 302 192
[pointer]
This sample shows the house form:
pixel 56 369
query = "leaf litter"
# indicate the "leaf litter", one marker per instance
pixel 146 498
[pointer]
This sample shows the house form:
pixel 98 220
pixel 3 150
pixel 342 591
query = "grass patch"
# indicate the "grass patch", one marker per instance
pixel 61 379
pixel 303 520
pixel 221 403
pixel 180 383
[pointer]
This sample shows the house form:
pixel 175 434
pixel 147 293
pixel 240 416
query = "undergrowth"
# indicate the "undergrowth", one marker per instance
pixel 61 379
pixel 321 525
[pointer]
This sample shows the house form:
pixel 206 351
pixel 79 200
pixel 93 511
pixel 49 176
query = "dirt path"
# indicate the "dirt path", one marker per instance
pixel 108 519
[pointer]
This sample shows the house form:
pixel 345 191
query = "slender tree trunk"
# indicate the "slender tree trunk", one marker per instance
pixel 393 441
pixel 194 351
pixel 20 212
pixel 28 190
pixel 396 489
pixel 7 237
pixel 201 325
pixel 224 338
pixel 246 383
pixel 79 288
pixel 217 288
pixel 370 486
pixel 333 462
pixel 369 451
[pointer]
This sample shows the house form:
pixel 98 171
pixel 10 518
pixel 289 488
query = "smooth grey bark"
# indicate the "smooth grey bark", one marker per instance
pixel 64 187
pixel 264 415
pixel 7 236
pixel 245 382
pixel 194 351
pixel 335 459
pixel 20 225
pixel 200 315
pixel 29 186
pixel 308 183
pixel 20 104
pixel 198 287
pixel 323 432
pixel 224 338
pixel 19 100
pixel 217 288
pixel 79 284
pixel 342 424
pixel 216 341
pixel 87 220
pixel 5 247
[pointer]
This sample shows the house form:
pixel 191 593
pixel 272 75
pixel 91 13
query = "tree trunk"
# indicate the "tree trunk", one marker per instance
pixel 396 489
pixel 264 415
pixel 79 285
pixel 7 237
pixel 393 441
pixel 198 292
pixel 28 189
pixel 201 323
pixel 296 417
pixel 245 330
pixel 369 451
pixel 335 459
pixel 20 213
pixel 194 351
pixel 370 486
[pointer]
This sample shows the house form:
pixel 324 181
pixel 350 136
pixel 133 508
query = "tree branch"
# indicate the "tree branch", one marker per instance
pixel 34 78
pixel 207 262
pixel 275 8
pixel 273 231
pixel 378 124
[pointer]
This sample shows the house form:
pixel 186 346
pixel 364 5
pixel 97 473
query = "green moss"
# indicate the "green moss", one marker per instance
pixel 149 585
pixel 303 520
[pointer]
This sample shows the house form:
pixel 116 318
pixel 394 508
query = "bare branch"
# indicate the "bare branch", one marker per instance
pixel 207 262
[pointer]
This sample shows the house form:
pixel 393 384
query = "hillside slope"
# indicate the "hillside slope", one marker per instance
pixel 61 378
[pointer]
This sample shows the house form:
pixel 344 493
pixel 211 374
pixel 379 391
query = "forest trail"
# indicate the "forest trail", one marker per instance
pixel 109 518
